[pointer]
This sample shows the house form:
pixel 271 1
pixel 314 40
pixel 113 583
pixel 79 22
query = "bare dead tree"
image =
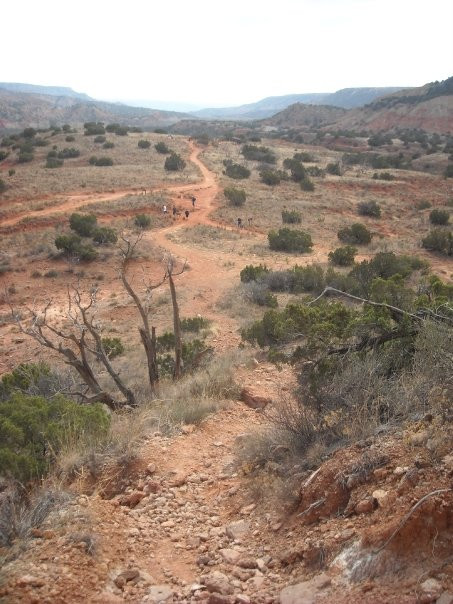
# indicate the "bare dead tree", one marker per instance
pixel 147 332
pixel 77 344
pixel 170 266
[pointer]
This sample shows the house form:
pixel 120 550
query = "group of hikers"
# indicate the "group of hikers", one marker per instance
pixel 241 224
pixel 175 211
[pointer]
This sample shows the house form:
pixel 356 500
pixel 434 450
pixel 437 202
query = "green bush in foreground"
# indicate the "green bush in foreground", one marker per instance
pixel 236 171
pixel 83 224
pixel 113 347
pixel 253 273
pixel 33 430
pixel 343 256
pixel 104 235
pixel 235 196
pixel 439 240
pixel 357 233
pixel 142 221
pixel 439 217
pixel 174 163
pixel 290 240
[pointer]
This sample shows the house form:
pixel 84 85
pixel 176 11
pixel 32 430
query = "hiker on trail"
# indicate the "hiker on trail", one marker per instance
pixel 239 223
pixel 164 209
pixel 187 213
pixel 194 199
pixel 249 221
pixel 174 211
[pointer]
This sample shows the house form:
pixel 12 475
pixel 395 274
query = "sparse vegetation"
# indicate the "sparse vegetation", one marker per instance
pixel 369 208
pixel 174 163
pixel 142 221
pixel 83 224
pixel 343 256
pixel 290 240
pixel 291 217
pixel 357 233
pixel 162 148
pixel 439 217
pixel 439 240
pixel 143 144
pixel 261 154
pixel 236 171
pixel 235 196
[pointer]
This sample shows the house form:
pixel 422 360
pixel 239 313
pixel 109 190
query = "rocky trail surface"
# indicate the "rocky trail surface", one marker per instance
pixel 185 522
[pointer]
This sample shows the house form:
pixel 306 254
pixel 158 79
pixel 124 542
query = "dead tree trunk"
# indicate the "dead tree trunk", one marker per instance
pixel 177 329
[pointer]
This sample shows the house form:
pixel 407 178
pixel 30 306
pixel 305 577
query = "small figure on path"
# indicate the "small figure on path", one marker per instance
pixel 194 199
pixel 174 211
pixel 249 221
pixel 164 209
pixel 187 213
pixel 239 223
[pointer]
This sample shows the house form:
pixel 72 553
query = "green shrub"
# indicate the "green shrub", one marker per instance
pixel 291 217
pixel 449 171
pixel 68 153
pixel 22 378
pixel 102 161
pixel 253 273
pixel 162 148
pixel 94 128
pixel 83 224
pixel 34 430
pixel 52 274
pixel 235 196
pixel 29 133
pixel 3 155
pixel 383 176
pixel 112 127
pixel 70 244
pixel 261 154
pixel 422 205
pixel 270 177
pixel 314 171
pixel 194 324
pixel 298 171
pixel 11 172
pixel 439 217
pixel 99 139
pixel 160 131
pixel 307 185
pixel 343 256
pixel 143 221
pixel 53 162
pixel 259 294
pixel 333 168
pixel 290 240
pixel 70 138
pixel 304 156
pixel 236 171
pixel 3 186
pixel 142 144
pixel 439 240
pixel 113 347
pixel 108 145
pixel 369 208
pixel 174 163
pixel 121 131
pixel 104 235
pixel 87 253
pixel 25 157
pixel 357 233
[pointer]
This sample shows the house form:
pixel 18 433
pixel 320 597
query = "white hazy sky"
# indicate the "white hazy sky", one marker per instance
pixel 213 53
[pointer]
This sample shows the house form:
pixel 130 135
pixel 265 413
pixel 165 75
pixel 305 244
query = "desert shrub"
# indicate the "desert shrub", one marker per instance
pixel 258 293
pixel 449 171
pixel 423 204
pixel 298 171
pixel 383 176
pixel 343 256
pixel 52 274
pixel 357 233
pixel 290 240
pixel 303 156
pixel 103 161
pixel 382 162
pixel 261 154
pixel 94 128
pixel 11 172
pixel 25 157
pixel 92 161
pixel 36 274
pixel 23 378
pixel 142 144
pixel 334 168
pixel 174 163
pixel 194 324
pixel 3 186
pixel 113 347
pixel 314 171
pixel 121 131
pixel 87 253
pixel 253 273
pixel 143 221
pixel 439 217
pixel 83 224
pixel 108 145
pixel 99 139
pixel 33 430
pixel 52 154
pixel 112 127
pixel 68 153
pixel 236 171
pixel 291 217
pixel 235 196
pixel 3 155
pixel 307 185
pixel 270 177
pixel 70 138
pixel 53 162
pixel 369 208
pixel 29 133
pixel 162 148
pixel 69 244
pixel 439 240
pixel 104 235
pixel 160 131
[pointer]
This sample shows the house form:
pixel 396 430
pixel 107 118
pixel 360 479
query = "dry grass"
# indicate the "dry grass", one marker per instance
pixel 133 167
pixel 209 237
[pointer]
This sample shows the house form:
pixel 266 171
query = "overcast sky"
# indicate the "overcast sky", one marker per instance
pixel 213 53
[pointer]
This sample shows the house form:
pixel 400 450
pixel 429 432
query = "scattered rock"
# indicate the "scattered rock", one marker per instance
pixel 448 461
pixel 237 530
pixel 366 506
pixel 178 480
pixel 419 438
pixel 399 471
pixel 217 582
pixel 218 599
pixel 381 497
pixel 445 598
pixel 187 429
pixel 126 577
pixel 30 580
pixel 431 587
pixel 131 499
pixel 305 592
pixel 254 401
pixel 160 593
pixel 151 468
pixel 152 487
pixel 230 555
pixel 247 562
